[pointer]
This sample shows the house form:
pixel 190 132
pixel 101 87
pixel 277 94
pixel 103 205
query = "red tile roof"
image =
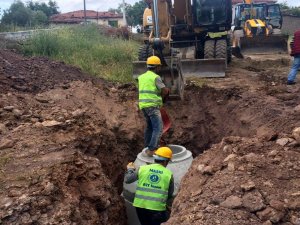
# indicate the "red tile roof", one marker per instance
pixel 78 16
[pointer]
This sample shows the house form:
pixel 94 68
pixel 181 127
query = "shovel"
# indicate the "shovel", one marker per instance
pixel 165 119
pixel 166 127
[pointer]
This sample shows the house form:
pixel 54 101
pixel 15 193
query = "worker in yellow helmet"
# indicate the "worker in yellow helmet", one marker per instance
pixel 154 188
pixel 152 91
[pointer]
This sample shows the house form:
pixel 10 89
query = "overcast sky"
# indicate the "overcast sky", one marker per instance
pixel 101 5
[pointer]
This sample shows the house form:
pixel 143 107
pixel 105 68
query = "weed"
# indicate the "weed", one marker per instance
pixel 85 47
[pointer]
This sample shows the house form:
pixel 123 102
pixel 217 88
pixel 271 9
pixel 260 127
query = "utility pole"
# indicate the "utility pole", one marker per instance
pixel 124 14
pixel 84 12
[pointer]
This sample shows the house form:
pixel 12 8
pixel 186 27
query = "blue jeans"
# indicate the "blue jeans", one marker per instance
pixel 294 69
pixel 154 127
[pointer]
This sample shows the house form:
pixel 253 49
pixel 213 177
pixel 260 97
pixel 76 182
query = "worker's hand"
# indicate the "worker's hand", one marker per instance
pixel 131 166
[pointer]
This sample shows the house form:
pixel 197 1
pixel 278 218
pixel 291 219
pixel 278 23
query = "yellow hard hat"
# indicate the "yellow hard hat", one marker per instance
pixel 153 60
pixel 163 153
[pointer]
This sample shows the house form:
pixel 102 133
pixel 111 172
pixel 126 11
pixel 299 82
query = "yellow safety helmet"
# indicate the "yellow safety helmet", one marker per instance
pixel 163 153
pixel 153 61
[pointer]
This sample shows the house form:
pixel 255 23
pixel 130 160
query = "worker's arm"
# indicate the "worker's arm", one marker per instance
pixel 170 194
pixel 171 188
pixel 131 175
pixel 164 91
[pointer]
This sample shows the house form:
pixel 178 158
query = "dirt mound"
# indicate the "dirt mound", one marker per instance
pixel 48 128
pixel 241 181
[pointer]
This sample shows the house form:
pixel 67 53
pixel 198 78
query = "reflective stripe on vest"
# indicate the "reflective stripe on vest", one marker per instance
pixel 152 188
pixel 149 94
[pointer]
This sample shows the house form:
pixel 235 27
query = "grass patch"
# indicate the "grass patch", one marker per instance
pixel 85 47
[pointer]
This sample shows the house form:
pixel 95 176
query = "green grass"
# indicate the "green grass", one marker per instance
pixel 85 47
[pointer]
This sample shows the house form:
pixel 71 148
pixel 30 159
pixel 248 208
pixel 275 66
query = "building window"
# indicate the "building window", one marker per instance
pixel 113 23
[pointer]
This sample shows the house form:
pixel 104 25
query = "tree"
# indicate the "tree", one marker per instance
pixel 49 9
pixel 17 14
pixel 39 18
pixel 32 14
pixel 134 14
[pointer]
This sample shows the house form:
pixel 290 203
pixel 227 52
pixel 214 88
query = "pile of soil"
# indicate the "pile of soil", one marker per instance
pixel 65 140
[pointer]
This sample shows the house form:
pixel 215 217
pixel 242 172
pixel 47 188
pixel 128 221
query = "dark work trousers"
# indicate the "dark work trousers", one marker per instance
pixel 151 217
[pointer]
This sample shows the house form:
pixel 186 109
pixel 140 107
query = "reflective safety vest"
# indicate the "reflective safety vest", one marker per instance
pixel 152 188
pixel 149 94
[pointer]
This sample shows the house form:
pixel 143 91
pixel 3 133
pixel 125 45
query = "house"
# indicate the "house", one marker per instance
pixel 77 17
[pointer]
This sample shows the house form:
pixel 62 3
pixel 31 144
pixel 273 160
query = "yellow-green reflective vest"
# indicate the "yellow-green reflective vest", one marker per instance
pixel 149 94
pixel 152 188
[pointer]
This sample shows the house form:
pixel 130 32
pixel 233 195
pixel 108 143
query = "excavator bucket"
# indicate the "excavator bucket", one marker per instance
pixel 273 44
pixel 203 67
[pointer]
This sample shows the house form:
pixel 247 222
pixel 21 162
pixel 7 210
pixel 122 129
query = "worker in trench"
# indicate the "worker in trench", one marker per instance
pixel 154 189
pixel 152 94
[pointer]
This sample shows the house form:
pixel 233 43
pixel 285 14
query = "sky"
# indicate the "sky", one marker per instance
pixel 100 5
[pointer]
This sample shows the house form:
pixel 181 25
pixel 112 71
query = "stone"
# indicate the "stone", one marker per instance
pixel 227 148
pixel 6 143
pixel 295 220
pixel 248 186
pixel 296 134
pixel 231 166
pixel 9 108
pixel 3 128
pixel 51 123
pixel 295 204
pixel 252 157
pixel 272 153
pixel 5 202
pixel 229 157
pixel 78 113
pixel 278 205
pixel 267 223
pixel 253 201
pixel 40 98
pixel 282 141
pixel 200 167
pixel 232 202
pixel 17 113
pixel 271 214
pixel 208 170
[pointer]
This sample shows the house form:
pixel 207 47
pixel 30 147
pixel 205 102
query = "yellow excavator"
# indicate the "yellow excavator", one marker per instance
pixel 257 29
pixel 191 37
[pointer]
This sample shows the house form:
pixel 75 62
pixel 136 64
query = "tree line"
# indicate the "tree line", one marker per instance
pixel 288 10
pixel 30 14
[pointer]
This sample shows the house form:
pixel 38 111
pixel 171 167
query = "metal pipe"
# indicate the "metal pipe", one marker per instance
pixel 155 11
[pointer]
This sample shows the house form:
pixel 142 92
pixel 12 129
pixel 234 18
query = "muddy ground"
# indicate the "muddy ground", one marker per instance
pixel 66 139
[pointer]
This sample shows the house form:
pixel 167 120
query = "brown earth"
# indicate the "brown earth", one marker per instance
pixel 65 139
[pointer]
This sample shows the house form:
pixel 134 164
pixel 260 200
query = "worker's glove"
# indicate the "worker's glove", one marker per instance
pixel 131 166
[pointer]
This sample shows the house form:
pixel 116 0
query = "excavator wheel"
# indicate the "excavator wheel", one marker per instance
pixel 145 51
pixel 221 49
pixel 209 49
pixel 229 49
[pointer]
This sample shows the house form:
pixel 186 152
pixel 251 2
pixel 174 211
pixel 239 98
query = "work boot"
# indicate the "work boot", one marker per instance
pixel 289 82
pixel 149 153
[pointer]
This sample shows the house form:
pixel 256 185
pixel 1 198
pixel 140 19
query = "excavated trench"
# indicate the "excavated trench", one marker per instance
pixel 208 114
pixel 205 117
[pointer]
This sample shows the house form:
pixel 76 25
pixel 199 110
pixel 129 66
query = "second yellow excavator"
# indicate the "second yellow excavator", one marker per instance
pixel 257 29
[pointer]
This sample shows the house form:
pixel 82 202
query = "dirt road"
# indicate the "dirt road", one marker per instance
pixel 66 138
